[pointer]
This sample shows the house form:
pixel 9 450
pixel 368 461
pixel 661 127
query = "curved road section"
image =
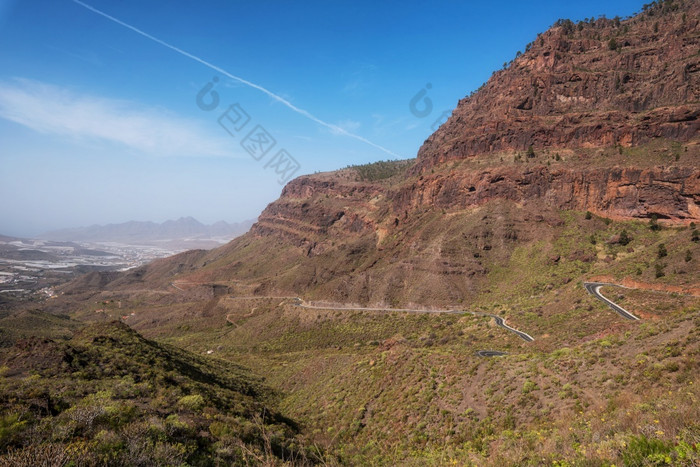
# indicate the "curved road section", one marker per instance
pixel 593 288
pixel 499 321
pixel 502 323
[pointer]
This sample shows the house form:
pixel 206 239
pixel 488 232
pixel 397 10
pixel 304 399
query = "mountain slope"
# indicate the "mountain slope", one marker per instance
pixel 609 192
pixel 107 396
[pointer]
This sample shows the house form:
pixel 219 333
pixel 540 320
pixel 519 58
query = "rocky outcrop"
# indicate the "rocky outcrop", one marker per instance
pixel 623 193
pixel 311 210
pixel 319 206
pixel 595 84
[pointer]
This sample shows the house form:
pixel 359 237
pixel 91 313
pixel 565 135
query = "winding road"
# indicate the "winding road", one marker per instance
pixel 501 322
pixel 593 288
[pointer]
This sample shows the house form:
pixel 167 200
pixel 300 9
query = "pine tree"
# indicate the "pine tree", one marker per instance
pixel 654 223
pixel 624 238
pixel 659 270
pixel 662 251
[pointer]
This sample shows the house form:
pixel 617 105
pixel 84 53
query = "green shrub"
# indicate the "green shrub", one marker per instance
pixel 192 402
pixel 654 223
pixel 624 237
pixel 10 427
pixel 645 451
pixel 529 386
pixel 659 270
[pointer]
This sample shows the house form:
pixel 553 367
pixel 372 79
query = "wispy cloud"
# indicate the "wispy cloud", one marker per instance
pixel 51 109
pixel 412 126
pixel 382 124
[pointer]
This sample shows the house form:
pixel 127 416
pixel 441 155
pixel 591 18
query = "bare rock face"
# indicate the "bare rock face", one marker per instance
pixel 312 207
pixel 623 193
pixel 596 84
pixel 312 210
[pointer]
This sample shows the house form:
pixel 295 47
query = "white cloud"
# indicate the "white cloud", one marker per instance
pixel 50 109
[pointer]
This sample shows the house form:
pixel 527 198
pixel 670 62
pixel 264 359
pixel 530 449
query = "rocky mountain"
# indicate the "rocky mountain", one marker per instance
pixel 594 84
pixel 135 232
pixel 599 116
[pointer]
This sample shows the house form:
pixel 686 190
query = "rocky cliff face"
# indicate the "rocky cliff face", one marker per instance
pixel 619 85
pixel 593 84
pixel 622 193
pixel 313 212
pixel 311 208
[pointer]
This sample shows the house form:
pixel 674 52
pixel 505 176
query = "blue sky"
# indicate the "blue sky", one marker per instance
pixel 100 124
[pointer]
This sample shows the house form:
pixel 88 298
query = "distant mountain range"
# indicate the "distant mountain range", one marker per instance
pixel 185 228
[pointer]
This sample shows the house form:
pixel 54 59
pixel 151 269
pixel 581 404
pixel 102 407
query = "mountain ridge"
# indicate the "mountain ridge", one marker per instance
pixel 134 231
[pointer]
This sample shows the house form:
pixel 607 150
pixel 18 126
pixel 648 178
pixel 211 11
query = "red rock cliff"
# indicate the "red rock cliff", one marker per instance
pixel 593 84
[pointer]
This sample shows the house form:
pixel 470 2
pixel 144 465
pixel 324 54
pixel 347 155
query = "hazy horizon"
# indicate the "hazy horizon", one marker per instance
pixel 101 122
pixel 86 226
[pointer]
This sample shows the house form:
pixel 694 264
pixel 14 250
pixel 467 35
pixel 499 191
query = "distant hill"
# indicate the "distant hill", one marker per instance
pixel 144 232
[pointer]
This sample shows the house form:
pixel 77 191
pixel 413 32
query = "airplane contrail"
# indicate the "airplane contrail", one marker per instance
pixel 279 99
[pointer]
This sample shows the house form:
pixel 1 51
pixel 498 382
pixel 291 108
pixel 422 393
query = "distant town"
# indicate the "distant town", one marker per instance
pixel 34 267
